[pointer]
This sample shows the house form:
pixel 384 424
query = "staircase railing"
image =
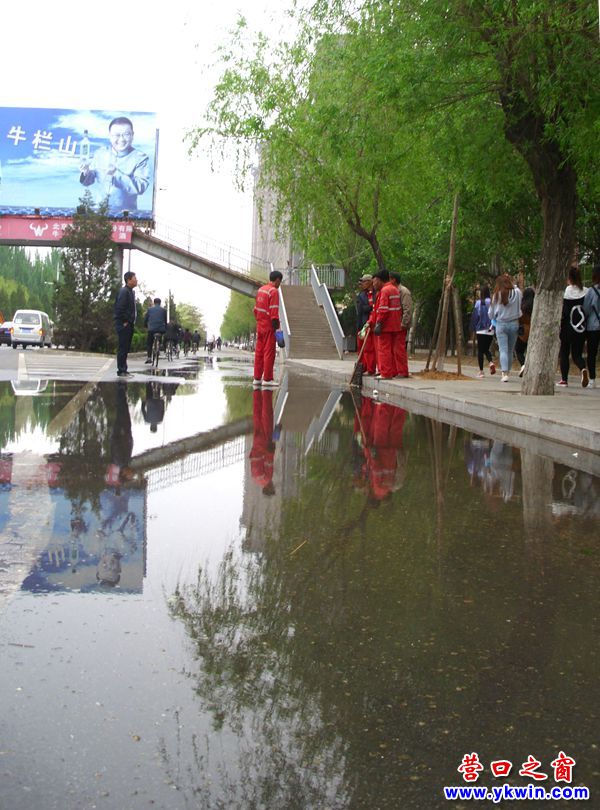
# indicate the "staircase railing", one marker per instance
pixel 333 277
pixel 284 322
pixel 324 300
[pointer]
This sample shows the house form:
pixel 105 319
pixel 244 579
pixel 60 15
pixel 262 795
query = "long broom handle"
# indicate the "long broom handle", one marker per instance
pixel 362 348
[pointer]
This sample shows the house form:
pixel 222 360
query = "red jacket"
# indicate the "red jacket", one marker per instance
pixel 266 308
pixel 389 311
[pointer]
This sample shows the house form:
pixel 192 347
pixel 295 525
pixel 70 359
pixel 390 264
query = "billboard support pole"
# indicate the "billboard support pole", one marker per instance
pixel 119 261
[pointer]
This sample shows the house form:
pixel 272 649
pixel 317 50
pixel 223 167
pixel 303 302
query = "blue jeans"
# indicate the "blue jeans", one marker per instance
pixel 506 335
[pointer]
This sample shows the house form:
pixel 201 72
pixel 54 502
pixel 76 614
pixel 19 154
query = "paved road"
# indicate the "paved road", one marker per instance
pixel 34 364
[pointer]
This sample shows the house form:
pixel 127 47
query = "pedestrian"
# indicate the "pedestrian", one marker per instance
pixel 505 310
pixel 386 322
pixel 124 321
pixel 364 306
pixel 266 312
pixel 406 308
pixel 481 324
pixel 524 326
pixel 406 303
pixel 155 321
pixel 591 309
pixel 572 329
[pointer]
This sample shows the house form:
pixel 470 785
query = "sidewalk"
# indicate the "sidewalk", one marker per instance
pixel 565 426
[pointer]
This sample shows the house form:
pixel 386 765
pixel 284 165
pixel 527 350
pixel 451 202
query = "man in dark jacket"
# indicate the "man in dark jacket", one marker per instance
pixel 124 321
pixel 155 322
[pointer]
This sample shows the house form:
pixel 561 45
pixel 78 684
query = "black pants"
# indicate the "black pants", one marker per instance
pixel 483 348
pixel 520 349
pixel 124 335
pixel 593 339
pixel 571 344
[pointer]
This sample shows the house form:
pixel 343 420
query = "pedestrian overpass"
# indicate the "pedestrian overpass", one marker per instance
pixel 309 320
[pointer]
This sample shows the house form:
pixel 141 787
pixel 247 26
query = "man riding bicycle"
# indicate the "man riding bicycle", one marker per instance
pixel 155 322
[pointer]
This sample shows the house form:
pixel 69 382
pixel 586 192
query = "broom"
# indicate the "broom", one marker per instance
pixel 357 374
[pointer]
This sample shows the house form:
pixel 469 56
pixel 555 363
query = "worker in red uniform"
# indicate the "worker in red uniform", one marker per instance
pixel 386 323
pixel 386 450
pixel 364 307
pixel 263 446
pixel 266 312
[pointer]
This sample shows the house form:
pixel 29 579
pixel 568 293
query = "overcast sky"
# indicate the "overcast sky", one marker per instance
pixel 155 58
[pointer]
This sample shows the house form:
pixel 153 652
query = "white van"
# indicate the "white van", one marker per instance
pixel 31 328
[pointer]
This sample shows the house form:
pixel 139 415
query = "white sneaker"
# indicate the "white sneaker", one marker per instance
pixel 504 377
pixel 256 383
pixel 592 384
pixel 480 374
pixel 522 370
pixel 270 384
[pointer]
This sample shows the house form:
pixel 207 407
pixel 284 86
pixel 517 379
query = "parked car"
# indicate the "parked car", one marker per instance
pixel 5 333
pixel 31 327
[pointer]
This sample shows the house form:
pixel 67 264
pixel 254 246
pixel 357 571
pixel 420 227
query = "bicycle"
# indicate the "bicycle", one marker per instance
pixel 156 349
pixel 169 350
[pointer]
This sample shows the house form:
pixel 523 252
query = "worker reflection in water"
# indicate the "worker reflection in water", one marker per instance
pixel 379 430
pixel 263 444
pixel 153 407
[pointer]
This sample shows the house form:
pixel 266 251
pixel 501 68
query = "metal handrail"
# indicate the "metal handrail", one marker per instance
pixel 284 322
pixel 324 300
pixel 333 277
pixel 202 245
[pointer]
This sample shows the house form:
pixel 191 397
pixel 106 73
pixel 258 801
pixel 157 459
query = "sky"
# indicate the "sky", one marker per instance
pixel 160 59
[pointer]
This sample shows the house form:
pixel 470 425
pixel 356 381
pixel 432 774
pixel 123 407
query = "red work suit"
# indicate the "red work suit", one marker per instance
pixel 391 343
pixel 388 427
pixel 369 357
pixel 266 311
pixel 263 447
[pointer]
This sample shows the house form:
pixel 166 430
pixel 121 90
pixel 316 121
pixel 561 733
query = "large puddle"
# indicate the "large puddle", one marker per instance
pixel 214 597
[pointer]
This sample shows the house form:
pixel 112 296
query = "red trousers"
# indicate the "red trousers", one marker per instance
pixel 392 359
pixel 264 354
pixel 368 358
pixel 261 454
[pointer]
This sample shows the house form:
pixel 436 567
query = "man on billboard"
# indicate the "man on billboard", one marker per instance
pixel 120 171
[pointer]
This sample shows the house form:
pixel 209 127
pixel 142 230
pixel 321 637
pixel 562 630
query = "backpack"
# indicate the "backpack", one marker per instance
pixel 480 320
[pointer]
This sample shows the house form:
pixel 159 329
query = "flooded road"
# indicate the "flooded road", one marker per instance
pixel 214 597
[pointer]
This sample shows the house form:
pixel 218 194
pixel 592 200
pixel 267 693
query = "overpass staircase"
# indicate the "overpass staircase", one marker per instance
pixel 310 332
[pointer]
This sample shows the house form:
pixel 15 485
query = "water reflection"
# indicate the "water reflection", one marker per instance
pixel 399 592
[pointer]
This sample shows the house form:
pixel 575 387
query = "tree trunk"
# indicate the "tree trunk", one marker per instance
pixel 440 352
pixel 558 209
pixel 458 328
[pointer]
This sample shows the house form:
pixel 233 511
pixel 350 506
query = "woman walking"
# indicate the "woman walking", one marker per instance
pixel 591 309
pixel 524 326
pixel 504 310
pixel 484 332
pixel 572 329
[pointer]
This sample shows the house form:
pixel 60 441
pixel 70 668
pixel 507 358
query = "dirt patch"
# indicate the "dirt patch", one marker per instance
pixel 439 375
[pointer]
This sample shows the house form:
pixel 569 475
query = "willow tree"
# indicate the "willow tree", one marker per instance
pixel 538 63
pixel 334 152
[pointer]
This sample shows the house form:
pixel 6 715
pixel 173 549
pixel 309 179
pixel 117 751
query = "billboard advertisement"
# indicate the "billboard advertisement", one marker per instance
pixel 49 158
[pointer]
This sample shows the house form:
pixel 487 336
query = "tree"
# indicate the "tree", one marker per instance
pixel 87 289
pixel 238 320
pixel 538 63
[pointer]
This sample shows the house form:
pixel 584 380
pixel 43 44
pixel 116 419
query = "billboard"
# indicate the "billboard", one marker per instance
pixel 49 158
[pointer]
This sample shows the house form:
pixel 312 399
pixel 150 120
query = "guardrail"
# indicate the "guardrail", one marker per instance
pixel 333 277
pixel 201 245
pixel 284 322
pixel 324 300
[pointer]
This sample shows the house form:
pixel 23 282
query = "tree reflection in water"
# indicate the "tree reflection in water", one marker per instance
pixel 358 657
